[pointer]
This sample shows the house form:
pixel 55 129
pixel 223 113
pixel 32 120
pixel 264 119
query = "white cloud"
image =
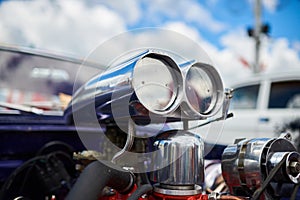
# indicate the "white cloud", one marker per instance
pixel 130 10
pixel 70 26
pixel 187 10
pixel 280 57
pixel 270 5
pixel 194 12
pixel 78 27
pixel 184 29
pixel 239 44
pixel 296 46
pixel 275 55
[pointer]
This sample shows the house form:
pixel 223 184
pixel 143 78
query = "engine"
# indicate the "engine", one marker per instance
pixel 134 160
pixel 172 167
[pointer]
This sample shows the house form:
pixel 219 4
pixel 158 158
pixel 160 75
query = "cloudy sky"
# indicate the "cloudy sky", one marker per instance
pixel 77 27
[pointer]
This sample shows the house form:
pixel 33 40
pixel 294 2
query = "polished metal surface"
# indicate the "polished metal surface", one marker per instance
pixel 246 165
pixel 179 192
pixel 157 82
pixel 129 142
pixel 241 163
pixel 153 76
pixel 182 154
pixel 291 171
pixel 204 91
pixel 161 86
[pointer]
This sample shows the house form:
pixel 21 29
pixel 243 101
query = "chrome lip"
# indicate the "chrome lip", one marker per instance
pixel 218 87
pixel 179 192
pixel 177 78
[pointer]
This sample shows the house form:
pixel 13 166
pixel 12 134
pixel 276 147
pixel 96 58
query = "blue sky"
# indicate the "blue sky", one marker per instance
pixel 282 16
pixel 284 20
pixel 219 26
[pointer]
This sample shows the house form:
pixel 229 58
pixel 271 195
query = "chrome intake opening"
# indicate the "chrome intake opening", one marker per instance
pixel 204 92
pixel 157 82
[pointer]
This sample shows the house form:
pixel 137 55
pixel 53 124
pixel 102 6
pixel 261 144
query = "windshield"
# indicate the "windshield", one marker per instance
pixel 39 81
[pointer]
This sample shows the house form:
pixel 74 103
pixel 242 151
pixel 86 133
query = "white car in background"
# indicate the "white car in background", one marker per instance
pixel 262 105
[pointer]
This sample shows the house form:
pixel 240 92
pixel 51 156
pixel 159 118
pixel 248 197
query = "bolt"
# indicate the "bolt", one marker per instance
pixel 295 168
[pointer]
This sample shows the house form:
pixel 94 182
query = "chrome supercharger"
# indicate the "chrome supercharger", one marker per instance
pixel 158 86
pixel 262 168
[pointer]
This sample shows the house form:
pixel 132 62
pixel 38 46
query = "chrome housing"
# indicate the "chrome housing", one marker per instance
pixel 153 82
pixel 248 163
pixel 182 153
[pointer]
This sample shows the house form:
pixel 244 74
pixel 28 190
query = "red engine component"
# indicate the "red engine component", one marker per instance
pixel 158 196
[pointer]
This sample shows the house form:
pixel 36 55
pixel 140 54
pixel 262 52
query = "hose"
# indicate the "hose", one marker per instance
pixel 6 191
pixel 11 179
pixel 96 176
pixel 143 189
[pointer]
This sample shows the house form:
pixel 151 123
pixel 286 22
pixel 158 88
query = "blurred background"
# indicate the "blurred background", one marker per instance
pixel 240 36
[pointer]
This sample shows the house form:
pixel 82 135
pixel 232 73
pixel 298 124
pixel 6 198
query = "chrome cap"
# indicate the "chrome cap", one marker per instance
pixel 182 153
